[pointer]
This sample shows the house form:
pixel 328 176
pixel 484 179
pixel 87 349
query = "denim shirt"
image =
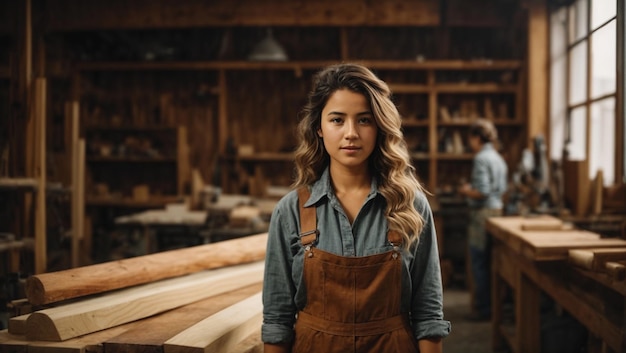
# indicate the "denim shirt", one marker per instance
pixel 284 292
pixel 489 177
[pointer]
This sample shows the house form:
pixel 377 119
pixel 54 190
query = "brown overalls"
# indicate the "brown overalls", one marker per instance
pixel 353 303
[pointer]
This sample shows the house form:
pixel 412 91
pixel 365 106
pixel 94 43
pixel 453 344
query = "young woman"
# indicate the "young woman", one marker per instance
pixel 352 263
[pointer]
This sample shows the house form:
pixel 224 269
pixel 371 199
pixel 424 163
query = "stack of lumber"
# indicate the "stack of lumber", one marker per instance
pixel 200 299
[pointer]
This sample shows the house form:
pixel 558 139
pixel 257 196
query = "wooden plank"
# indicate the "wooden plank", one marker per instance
pixel 77 207
pixel 10 343
pixel 73 283
pixel 66 15
pixel 153 332
pixel 576 185
pixel 222 331
pixel 78 184
pixel 40 173
pixel 597 187
pixel 616 270
pixel 538 58
pixel 147 335
pixel 545 245
pixel 299 65
pixel 542 223
pixel 595 259
pixel 555 245
pixel 99 313
pixel 86 344
pixel 17 324
pixel 252 344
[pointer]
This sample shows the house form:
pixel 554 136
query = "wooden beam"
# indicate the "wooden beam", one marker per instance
pixel 56 286
pixel 595 259
pixel 77 153
pixel 92 343
pixel 220 332
pixel 153 332
pixel 142 336
pixel 537 69
pixel 99 313
pixel 40 170
pixel 63 15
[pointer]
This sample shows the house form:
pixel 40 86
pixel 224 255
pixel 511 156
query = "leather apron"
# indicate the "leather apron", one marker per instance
pixel 353 303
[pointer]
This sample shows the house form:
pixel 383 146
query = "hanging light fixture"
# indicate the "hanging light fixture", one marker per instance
pixel 268 49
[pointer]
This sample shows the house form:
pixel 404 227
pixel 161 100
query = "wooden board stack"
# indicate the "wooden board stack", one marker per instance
pixel 212 305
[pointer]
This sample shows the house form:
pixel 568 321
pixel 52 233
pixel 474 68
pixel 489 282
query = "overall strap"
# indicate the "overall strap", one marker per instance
pixel 308 218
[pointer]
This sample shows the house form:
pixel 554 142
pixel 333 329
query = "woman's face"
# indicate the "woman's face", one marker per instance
pixel 348 129
pixel 474 143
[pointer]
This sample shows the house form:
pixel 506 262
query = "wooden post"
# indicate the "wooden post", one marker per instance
pixel 77 158
pixel 537 69
pixel 343 42
pixel 433 108
pixel 40 170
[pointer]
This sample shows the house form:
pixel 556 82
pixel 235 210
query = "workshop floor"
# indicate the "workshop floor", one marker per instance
pixel 466 336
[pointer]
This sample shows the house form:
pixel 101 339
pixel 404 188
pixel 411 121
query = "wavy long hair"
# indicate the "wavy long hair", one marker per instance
pixel 390 162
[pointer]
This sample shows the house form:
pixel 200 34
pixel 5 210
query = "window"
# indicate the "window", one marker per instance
pixel 584 122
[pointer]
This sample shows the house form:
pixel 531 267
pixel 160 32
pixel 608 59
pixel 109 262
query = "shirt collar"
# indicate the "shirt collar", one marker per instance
pixel 487 146
pixel 323 188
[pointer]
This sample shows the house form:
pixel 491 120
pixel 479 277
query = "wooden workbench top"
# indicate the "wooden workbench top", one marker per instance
pixel 544 238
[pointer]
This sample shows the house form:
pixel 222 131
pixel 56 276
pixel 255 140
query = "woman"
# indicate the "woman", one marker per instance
pixel 352 252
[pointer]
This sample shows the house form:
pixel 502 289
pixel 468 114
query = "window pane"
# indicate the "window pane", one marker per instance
pixel 577 20
pixel 602 144
pixel 578 73
pixel 558 107
pixel 602 11
pixel 577 146
pixel 603 60
pixel 558 33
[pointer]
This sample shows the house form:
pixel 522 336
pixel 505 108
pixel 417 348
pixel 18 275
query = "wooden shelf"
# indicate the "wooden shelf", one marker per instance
pixel 455 156
pixel 475 88
pixel 415 123
pixel 133 128
pixel 420 156
pixel 263 157
pixel 419 96
pixel 404 88
pixel 129 203
pixel 18 183
pixel 468 122
pixel 296 65
pixel 131 159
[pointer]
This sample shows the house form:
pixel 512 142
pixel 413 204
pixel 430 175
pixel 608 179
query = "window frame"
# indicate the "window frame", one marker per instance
pixel 619 94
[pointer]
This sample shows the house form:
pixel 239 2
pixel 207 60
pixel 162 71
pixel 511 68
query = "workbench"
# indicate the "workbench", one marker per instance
pixel 530 257
pixel 186 223
pixel 194 227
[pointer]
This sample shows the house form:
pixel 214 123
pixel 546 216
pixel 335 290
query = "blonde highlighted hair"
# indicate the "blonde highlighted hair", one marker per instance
pixel 390 160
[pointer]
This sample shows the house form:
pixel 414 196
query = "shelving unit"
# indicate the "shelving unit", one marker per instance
pixel 130 166
pixel 240 131
pixel 419 102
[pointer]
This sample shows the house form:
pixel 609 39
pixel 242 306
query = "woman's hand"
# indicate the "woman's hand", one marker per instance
pixel 277 348
pixel 430 345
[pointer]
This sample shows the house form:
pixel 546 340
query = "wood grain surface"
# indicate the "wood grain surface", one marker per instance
pixel 57 286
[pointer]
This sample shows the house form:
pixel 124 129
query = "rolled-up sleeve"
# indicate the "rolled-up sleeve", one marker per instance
pixel 427 291
pixel 480 176
pixel 279 309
